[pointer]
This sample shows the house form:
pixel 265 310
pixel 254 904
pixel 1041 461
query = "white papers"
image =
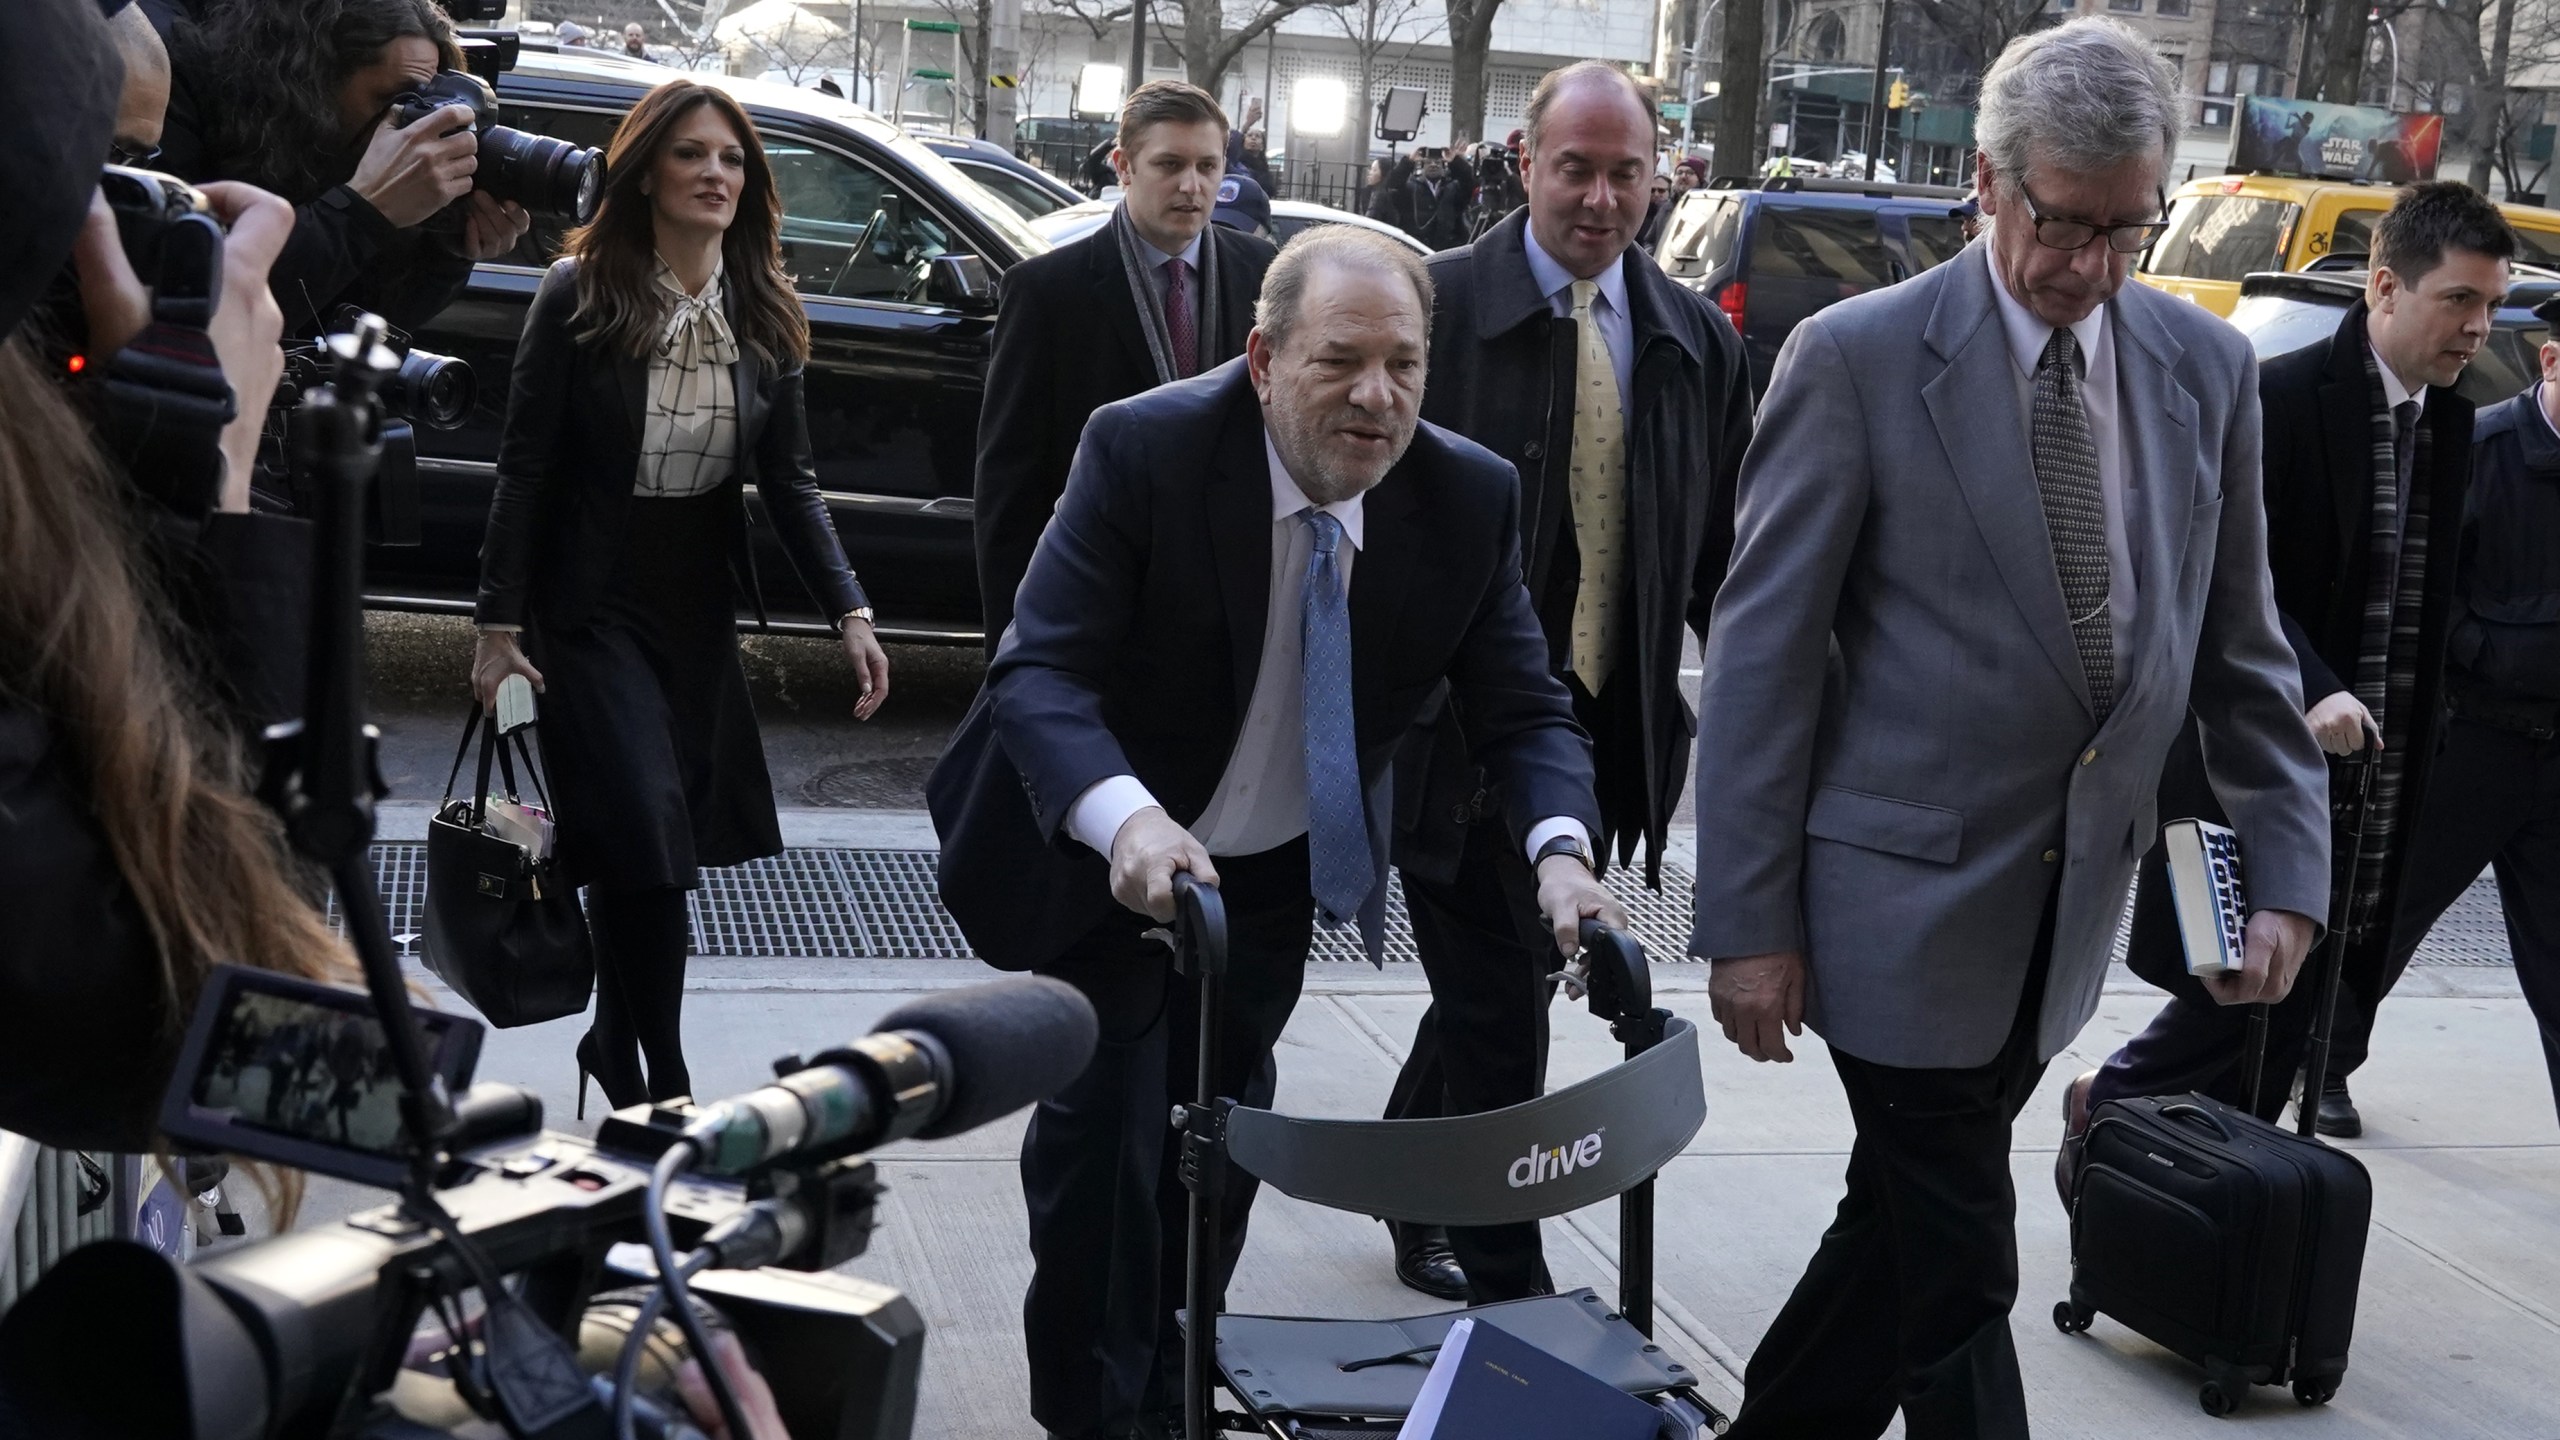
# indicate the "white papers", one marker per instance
pixel 1424 1418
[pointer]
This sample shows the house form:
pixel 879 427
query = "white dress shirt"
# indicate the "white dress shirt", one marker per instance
pixel 1608 309
pixel 2027 336
pixel 1261 799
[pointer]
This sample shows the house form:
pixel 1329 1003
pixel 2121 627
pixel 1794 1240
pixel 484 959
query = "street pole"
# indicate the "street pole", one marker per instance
pixel 955 80
pixel 1137 46
pixel 906 57
pixel 1875 106
pixel 1004 57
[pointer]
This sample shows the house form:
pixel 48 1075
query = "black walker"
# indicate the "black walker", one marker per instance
pixel 1321 1379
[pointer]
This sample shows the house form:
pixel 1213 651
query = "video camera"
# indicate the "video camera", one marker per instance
pixel 318 1333
pixel 509 1237
pixel 425 388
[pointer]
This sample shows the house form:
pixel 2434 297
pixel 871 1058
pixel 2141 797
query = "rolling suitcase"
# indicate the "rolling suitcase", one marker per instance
pixel 2233 1242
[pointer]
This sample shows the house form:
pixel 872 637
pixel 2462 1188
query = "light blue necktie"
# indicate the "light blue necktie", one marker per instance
pixel 1338 864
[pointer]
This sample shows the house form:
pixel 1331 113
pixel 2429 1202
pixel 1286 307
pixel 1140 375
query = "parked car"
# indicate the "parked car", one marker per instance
pixel 1060 143
pixel 1030 190
pixel 893 251
pixel 2282 311
pixel 1288 217
pixel 2227 227
pixel 1771 252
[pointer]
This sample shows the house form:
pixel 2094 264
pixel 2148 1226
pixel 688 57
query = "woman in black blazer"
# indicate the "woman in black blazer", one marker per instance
pixel 660 364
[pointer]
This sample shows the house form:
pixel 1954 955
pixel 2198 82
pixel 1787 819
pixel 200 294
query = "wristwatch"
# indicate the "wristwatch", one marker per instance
pixel 859 612
pixel 1565 845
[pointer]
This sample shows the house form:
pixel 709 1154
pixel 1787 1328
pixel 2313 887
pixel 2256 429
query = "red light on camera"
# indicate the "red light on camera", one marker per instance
pixel 78 363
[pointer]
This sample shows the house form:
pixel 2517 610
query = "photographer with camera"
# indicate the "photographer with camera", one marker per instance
pixel 301 97
pixel 132 856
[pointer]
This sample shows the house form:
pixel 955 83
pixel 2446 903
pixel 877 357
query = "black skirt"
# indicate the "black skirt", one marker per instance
pixel 647 731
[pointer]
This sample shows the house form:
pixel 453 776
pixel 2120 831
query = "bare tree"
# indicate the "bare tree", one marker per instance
pixel 1956 40
pixel 1741 77
pixel 1215 32
pixel 800 47
pixel 1470 42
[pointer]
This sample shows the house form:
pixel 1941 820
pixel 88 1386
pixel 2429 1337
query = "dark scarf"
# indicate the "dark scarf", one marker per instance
pixel 1139 259
pixel 2386 677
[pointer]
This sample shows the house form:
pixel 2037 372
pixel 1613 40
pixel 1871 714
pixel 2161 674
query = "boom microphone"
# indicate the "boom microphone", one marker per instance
pixel 937 1066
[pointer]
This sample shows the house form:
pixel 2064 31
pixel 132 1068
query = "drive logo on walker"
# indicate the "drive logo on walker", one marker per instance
pixel 1547 1164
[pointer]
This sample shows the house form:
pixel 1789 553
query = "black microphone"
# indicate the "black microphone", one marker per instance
pixel 937 1066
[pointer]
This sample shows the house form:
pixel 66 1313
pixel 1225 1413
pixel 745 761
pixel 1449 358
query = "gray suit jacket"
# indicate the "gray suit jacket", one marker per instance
pixel 1897 756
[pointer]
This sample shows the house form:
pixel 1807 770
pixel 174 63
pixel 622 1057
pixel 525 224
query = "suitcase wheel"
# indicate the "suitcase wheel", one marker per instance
pixel 2072 1319
pixel 2216 1400
pixel 2315 1392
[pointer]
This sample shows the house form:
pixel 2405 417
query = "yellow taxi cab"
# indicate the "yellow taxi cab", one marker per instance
pixel 2224 227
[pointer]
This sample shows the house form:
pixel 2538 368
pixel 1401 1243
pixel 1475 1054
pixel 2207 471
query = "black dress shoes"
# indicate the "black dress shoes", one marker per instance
pixel 1425 1262
pixel 2338 1118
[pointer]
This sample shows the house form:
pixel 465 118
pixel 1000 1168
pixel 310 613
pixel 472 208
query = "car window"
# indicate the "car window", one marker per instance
pixel 1935 239
pixel 1820 243
pixel 541 242
pixel 1700 236
pixel 2352 233
pixel 2222 237
pixel 847 231
pixel 1028 200
pixel 2510 362
pixel 946 176
pixel 2537 247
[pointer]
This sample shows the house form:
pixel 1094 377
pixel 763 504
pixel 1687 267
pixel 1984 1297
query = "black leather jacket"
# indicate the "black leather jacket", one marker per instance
pixel 572 449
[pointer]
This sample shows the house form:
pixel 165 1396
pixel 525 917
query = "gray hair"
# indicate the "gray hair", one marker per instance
pixel 1556 82
pixel 1347 247
pixel 2085 96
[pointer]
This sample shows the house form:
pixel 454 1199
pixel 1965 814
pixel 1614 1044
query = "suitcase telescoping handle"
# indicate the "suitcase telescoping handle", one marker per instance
pixel 2330 955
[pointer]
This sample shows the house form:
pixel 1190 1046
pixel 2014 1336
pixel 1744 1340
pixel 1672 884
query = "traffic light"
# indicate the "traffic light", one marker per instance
pixel 1899 95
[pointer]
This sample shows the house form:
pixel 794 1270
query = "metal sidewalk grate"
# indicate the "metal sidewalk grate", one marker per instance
pixel 837 904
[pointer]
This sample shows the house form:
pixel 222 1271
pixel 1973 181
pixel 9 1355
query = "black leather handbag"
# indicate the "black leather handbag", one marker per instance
pixel 502 928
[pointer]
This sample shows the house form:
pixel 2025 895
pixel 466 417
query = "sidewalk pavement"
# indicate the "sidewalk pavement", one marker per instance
pixel 2458 1333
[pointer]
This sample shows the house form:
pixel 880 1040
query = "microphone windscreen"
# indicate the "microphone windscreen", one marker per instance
pixel 1012 1043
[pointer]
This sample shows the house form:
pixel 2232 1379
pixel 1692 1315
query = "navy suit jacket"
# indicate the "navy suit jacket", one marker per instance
pixel 1138 632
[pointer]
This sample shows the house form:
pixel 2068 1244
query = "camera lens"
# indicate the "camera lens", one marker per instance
pixel 434 390
pixel 554 179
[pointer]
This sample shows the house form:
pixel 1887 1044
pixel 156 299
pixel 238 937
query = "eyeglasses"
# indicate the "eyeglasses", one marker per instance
pixel 2078 234
pixel 130 155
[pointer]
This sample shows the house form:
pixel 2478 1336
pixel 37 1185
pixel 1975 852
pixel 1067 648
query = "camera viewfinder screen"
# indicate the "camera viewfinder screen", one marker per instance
pixel 310 1071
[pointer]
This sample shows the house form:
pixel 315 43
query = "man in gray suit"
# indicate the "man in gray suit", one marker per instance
pixel 1998 531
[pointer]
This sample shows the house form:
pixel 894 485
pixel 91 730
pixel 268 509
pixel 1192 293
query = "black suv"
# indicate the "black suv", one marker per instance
pixel 898 349
pixel 1772 252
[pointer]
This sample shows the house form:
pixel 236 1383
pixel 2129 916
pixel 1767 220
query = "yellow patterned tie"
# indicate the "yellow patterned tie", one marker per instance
pixel 1599 509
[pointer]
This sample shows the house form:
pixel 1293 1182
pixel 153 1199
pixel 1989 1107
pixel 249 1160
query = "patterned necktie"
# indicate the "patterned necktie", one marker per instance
pixel 2404 444
pixel 1181 325
pixel 1599 506
pixel 2075 514
pixel 1339 868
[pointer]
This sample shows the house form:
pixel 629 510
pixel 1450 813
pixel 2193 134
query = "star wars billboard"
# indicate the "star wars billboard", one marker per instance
pixel 2320 141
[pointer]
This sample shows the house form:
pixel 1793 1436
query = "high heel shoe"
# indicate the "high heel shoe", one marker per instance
pixel 620 1089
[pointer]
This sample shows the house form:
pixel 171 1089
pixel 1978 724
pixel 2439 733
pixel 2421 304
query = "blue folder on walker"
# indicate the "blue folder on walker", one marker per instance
pixel 1490 1385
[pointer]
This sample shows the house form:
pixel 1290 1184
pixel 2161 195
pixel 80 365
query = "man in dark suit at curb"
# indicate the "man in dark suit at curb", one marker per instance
pixel 1254 581
pixel 2368 463
pixel 1623 401
pixel 1155 296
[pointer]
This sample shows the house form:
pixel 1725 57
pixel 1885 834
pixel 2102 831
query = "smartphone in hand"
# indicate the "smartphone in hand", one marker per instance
pixel 515 704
